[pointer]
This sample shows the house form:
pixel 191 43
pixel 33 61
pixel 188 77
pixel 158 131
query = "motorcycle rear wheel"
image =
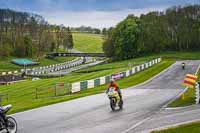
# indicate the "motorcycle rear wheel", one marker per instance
pixel 11 125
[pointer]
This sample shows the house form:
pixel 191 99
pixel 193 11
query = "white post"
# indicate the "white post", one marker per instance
pixel 197 93
pixel 24 67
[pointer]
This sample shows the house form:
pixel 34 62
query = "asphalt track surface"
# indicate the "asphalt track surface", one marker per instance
pixel 169 118
pixel 92 114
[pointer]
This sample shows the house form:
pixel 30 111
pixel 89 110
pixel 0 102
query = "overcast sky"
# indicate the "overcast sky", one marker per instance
pixel 95 13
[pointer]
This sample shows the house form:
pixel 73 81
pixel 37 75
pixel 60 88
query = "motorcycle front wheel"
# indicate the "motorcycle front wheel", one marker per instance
pixel 112 104
pixel 121 104
pixel 11 125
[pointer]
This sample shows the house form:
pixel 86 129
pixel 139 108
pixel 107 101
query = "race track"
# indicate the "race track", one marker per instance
pixel 93 115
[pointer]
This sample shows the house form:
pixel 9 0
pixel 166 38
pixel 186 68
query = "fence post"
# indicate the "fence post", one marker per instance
pixel 197 93
pixel 55 91
pixel 36 93
pixel 68 91
pixel 66 88
pixel 7 97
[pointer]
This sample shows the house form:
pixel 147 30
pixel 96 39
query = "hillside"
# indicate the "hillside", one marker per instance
pixel 86 42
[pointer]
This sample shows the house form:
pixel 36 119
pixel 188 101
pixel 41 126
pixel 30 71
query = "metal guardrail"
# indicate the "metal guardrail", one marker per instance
pixel 77 54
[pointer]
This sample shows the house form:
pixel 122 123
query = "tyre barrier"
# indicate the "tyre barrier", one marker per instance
pixel 46 69
pixel 9 73
pixel 53 68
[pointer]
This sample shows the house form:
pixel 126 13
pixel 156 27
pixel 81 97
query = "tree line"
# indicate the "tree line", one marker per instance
pixel 25 34
pixel 86 29
pixel 175 29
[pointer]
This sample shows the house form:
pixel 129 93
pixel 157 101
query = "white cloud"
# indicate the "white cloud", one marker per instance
pixel 97 19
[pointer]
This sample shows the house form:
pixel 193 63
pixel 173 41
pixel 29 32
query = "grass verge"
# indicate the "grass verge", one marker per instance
pixel 190 55
pixel 189 99
pixel 187 128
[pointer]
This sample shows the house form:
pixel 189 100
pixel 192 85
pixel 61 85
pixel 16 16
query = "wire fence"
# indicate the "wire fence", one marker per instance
pixel 59 89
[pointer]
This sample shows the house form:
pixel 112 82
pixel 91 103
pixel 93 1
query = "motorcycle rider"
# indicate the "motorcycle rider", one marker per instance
pixel 113 84
pixel 183 65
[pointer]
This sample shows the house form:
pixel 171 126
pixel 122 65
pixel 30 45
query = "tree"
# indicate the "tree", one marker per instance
pixel 123 39
pixel 53 46
pixel 69 39
pixel 108 47
pixel 97 31
pixel 20 49
pixel 28 46
pixel 70 43
pixel 176 29
pixel 86 29
pixel 23 31
pixel 104 31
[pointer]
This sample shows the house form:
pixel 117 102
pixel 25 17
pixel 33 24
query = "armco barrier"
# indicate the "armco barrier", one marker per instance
pixel 97 82
pixel 130 71
pixel 90 83
pixel 123 74
pixel 146 65
pixel 127 73
pixel 78 86
pixel 84 85
pixel 137 69
pixel 142 67
pixel 133 70
pixel 150 63
pixel 102 80
pixel 107 78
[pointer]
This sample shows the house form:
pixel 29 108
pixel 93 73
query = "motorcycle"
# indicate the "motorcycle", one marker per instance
pixel 183 66
pixel 8 124
pixel 115 100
